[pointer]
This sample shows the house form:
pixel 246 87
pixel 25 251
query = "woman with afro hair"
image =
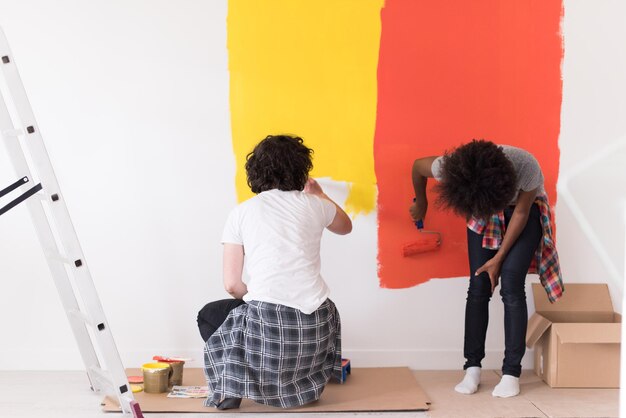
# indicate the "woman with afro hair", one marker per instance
pixel 499 190
pixel 278 341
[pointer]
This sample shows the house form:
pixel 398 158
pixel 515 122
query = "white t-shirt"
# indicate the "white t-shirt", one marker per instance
pixel 280 233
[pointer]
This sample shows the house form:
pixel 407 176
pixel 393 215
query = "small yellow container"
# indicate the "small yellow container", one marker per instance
pixel 156 377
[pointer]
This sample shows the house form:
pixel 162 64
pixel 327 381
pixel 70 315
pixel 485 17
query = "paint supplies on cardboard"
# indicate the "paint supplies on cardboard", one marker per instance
pixel 156 377
pixel 177 364
pixel 189 392
pixel 577 339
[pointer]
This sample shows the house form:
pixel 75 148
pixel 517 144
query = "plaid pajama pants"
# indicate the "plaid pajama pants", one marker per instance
pixel 273 354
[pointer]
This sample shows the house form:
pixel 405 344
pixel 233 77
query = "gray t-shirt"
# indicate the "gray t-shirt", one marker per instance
pixel 527 169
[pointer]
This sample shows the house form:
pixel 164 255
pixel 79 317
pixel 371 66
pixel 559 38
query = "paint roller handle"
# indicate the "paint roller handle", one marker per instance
pixel 419 223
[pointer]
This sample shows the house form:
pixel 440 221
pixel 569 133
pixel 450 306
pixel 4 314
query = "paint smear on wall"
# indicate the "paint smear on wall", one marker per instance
pixel 450 71
pixel 308 68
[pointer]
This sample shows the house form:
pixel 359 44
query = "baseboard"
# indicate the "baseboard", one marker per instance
pixel 414 359
pixel 426 359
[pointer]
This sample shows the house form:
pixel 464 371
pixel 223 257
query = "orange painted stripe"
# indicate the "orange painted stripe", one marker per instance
pixel 450 71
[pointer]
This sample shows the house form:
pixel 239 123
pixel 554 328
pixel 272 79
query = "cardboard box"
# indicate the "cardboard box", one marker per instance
pixel 577 339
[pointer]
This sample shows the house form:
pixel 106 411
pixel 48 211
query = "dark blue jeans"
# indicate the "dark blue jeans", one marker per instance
pixel 512 281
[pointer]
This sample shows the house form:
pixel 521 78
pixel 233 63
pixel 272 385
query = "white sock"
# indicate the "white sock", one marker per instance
pixel 470 382
pixel 508 386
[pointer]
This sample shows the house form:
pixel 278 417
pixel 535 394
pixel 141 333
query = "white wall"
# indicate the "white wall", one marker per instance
pixel 132 100
pixel 593 117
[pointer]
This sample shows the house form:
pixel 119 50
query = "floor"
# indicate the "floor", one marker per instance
pixel 67 395
pixel 535 400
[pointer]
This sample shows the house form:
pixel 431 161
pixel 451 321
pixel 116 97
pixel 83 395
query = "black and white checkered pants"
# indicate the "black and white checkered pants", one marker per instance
pixel 273 354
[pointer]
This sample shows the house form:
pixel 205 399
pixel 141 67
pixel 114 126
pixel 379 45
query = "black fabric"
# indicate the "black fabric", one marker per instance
pixel 213 315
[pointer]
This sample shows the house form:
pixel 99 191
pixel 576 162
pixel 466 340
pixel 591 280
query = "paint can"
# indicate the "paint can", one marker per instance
pixel 156 377
pixel 177 371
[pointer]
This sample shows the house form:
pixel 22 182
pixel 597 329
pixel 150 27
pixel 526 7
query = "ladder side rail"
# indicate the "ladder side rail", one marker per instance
pixel 39 154
pixel 67 233
pixel 43 165
pixel 48 242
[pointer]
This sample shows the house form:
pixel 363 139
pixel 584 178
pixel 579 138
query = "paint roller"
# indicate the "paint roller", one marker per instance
pixel 428 241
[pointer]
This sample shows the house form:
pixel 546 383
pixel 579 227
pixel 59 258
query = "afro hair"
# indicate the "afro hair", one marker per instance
pixel 477 179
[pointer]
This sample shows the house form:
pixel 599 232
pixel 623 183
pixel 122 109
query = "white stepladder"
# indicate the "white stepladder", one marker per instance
pixel 57 236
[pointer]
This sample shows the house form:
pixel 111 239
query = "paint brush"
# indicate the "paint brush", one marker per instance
pixel 428 241
pixel 170 359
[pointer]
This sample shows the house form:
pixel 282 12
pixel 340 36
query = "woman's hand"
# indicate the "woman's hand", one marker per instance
pixel 313 187
pixel 492 267
pixel 341 224
pixel 515 227
pixel 418 209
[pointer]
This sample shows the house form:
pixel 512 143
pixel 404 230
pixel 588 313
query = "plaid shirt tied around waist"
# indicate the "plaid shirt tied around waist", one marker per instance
pixel 273 354
pixel 546 260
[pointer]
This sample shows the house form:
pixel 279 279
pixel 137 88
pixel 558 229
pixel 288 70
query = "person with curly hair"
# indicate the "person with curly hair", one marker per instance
pixel 278 342
pixel 499 190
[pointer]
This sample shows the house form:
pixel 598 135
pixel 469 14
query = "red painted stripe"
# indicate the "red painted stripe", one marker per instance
pixel 450 71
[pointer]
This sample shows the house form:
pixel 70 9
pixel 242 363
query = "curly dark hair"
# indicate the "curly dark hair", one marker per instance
pixel 477 179
pixel 279 162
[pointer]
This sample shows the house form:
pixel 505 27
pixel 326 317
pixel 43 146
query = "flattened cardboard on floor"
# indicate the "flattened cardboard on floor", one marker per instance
pixel 366 389
pixel 577 339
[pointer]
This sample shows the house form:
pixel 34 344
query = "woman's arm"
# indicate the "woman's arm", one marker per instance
pixel 233 270
pixel 515 227
pixel 419 174
pixel 341 224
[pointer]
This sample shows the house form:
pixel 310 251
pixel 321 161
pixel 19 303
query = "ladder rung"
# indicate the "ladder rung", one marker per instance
pixel 12 133
pixel 103 377
pixel 45 197
pixel 80 316
pixel 41 196
pixel 56 256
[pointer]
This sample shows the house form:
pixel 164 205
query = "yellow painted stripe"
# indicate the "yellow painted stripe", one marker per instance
pixel 307 68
